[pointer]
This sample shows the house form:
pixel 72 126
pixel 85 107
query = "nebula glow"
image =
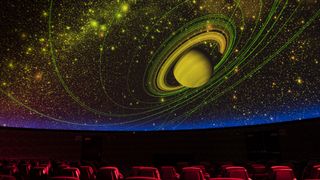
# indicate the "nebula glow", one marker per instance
pixel 108 65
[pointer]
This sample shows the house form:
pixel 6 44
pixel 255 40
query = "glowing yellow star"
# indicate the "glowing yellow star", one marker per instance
pixel 125 7
pixel 299 80
pixel 94 23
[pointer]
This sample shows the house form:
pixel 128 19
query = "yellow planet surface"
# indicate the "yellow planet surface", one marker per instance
pixel 193 69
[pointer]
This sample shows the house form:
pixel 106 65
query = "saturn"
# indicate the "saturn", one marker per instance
pixel 193 69
pixel 179 65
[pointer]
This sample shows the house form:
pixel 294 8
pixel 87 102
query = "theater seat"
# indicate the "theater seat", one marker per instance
pixel 225 178
pixel 135 170
pixel 205 174
pixel 258 168
pixel 70 172
pixel 38 173
pixel 307 172
pixel 259 172
pixel 283 174
pixel 140 178
pixel 62 166
pixel 9 169
pixel 280 167
pixel 237 172
pixel 7 177
pixel 109 173
pixel 63 178
pixel 143 171
pixel 315 172
pixel 192 173
pixel 24 169
pixel 86 173
pixel 169 173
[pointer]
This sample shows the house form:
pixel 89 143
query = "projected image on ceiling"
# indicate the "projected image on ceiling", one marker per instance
pixel 158 65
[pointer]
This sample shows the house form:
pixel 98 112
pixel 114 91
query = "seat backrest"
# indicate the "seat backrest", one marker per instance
pixel 225 178
pixel 86 172
pixel 315 172
pixel 283 174
pixel 7 177
pixel 134 171
pixel 24 169
pixel 63 178
pixel 9 169
pixel 140 178
pixel 62 166
pixel 308 170
pixel 70 172
pixel 192 173
pixel 107 173
pixel 168 173
pixel 258 168
pixel 237 172
pixel 279 167
pixel 149 172
pixel 37 172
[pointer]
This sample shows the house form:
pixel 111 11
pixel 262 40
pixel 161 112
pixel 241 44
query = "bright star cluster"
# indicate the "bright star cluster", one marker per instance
pixel 95 65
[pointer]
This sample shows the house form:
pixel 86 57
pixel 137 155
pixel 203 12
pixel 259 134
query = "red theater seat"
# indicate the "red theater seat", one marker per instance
pixel 109 173
pixel 135 170
pixel 237 172
pixel 9 169
pixel 307 172
pixel 86 173
pixel 47 165
pixel 141 178
pixel 204 172
pixel 259 172
pixel 63 178
pixel 70 172
pixel 192 173
pixel 62 166
pixel 59 168
pixel 24 169
pixel 142 171
pixel 7 177
pixel 225 178
pixel 169 173
pixel 315 172
pixel 258 168
pixel 38 173
pixel 283 174
pixel 280 167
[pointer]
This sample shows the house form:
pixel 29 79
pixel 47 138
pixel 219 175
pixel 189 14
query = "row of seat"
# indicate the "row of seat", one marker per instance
pixel 227 172
pixel 312 171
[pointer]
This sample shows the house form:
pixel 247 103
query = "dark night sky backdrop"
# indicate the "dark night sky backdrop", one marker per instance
pixel 92 65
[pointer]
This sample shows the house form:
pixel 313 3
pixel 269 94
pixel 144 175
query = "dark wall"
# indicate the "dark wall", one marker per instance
pixel 176 146
pixel 301 141
pixel 20 143
pixel 295 140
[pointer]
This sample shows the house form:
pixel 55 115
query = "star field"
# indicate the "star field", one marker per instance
pixel 95 65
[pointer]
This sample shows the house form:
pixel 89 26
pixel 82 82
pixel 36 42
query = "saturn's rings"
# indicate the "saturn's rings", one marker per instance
pixel 210 28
